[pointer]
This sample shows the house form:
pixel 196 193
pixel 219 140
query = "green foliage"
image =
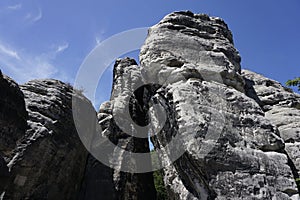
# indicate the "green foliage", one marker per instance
pixel 298 182
pixel 294 82
pixel 158 179
pixel 159 185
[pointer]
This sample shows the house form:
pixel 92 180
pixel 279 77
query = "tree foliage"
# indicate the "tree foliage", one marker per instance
pixel 158 179
pixel 159 185
pixel 298 182
pixel 295 82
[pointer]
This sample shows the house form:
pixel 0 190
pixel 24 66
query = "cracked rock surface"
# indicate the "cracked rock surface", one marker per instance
pixel 282 108
pixel 48 160
pixel 226 127
pixel 220 132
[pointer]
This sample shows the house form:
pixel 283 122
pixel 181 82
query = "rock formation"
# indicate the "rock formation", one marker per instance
pixel 13 115
pixel 247 159
pixel 219 132
pixel 47 159
pixel 126 185
pixel 281 107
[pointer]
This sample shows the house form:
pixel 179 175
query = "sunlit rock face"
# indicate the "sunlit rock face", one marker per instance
pixel 191 45
pixel 282 108
pixel 232 146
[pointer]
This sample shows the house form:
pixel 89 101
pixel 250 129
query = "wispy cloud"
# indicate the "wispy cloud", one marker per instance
pixel 99 37
pixel 34 17
pixel 38 16
pixel 14 7
pixel 62 47
pixel 6 51
pixel 98 40
pixel 22 66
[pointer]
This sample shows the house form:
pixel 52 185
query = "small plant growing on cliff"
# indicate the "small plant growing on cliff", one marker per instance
pixel 298 182
pixel 295 82
pixel 79 91
pixel 159 185
pixel 158 179
pixel 76 90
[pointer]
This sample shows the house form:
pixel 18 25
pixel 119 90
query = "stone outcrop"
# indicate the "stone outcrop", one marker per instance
pixel 122 185
pixel 4 174
pixel 282 108
pixel 191 45
pixel 232 151
pixel 13 123
pixel 48 160
pixel 13 115
pixel 218 132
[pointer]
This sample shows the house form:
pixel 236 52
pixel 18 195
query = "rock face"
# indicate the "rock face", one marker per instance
pixel 282 108
pixel 48 161
pixel 218 140
pixel 243 161
pixel 218 132
pixel 122 185
pixel 13 114
pixel 192 45
pixel 232 151
pixel 13 123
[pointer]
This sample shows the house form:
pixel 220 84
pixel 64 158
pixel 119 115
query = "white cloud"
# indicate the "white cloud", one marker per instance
pixel 14 7
pixel 62 47
pixel 22 66
pixel 34 17
pixel 38 16
pixel 9 52
pixel 99 37
pixel 98 40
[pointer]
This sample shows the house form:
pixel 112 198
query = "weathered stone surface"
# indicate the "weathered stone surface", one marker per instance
pixel 126 185
pixel 191 45
pixel 4 174
pixel 282 108
pixel 232 151
pixel 243 161
pixel 98 182
pixel 48 162
pixel 13 114
pixel 13 123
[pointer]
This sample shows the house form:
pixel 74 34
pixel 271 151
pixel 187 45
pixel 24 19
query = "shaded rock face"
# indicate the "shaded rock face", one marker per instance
pixel 119 184
pixel 4 174
pixel 13 114
pixel 48 161
pixel 13 123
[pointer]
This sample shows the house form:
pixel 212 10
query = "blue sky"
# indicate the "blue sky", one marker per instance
pixel 40 39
